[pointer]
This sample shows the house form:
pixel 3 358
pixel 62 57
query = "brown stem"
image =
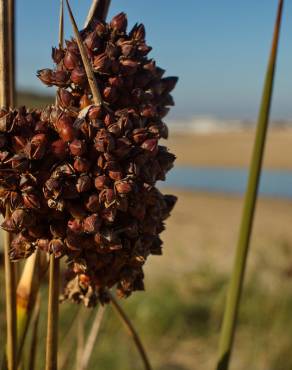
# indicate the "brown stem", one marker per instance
pixel 98 10
pixel 131 331
pixel 10 289
pixel 6 99
pixel 53 313
pixel 4 55
pixel 89 346
pixel 11 50
pixel 87 65
pixel 61 25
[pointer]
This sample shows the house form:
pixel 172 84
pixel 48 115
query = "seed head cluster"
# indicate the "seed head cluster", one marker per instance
pixel 80 178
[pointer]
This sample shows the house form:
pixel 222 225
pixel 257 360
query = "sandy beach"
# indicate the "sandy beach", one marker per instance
pixel 231 149
pixel 203 230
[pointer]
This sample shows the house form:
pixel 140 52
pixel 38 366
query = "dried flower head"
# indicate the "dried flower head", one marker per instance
pixel 80 179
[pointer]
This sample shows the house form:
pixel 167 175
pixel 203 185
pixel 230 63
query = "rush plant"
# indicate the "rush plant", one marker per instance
pixel 78 177
pixel 237 277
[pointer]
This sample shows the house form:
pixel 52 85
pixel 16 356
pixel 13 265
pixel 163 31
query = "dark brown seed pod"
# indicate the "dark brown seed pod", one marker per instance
pixel 83 184
pixel 77 147
pixel 65 128
pixel 78 76
pixel 79 177
pixel 71 60
pixel 92 224
pixel 119 22
pixel 57 55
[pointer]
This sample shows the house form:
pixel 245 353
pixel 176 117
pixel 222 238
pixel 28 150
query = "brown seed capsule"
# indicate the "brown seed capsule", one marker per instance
pixel 65 128
pixel 77 147
pixel 31 201
pixel 139 135
pixel 65 98
pixel 129 67
pixel 101 63
pixel 149 111
pixel 57 247
pixel 109 214
pixel 100 28
pixel 78 76
pixel 46 76
pixel 144 49
pixel 169 83
pixel 83 184
pixel 127 48
pixel 18 143
pixel 92 41
pixel 138 32
pixel 101 182
pixel 110 94
pixel 43 244
pixel 76 210
pixel 92 204
pixel 92 224
pixel 71 60
pixel 21 247
pixel 119 22
pixel 76 226
pixel 22 218
pixel 84 101
pixel 59 149
pixel 58 230
pixel 61 78
pixel 95 112
pixel 36 148
pixel 57 55
pixel 123 187
pixel 116 81
pixel 81 165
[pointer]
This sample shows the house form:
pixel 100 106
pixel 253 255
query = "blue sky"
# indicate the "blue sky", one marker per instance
pixel 219 49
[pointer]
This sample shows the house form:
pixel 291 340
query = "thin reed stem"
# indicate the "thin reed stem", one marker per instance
pixel 88 349
pixel 53 313
pixel 61 25
pixel 4 56
pixel 11 50
pixel 6 18
pixel 10 289
pixel 237 277
pixel 89 72
pixel 131 331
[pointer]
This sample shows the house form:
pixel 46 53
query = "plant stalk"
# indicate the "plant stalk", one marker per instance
pixel 10 289
pixel 53 313
pixel 34 339
pixel 98 10
pixel 237 277
pixel 87 65
pixel 131 331
pixel 11 50
pixel 7 87
pixel 89 346
pixel 26 295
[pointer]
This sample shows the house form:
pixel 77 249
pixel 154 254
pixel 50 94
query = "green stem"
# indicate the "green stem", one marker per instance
pixel 53 313
pixel 237 277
